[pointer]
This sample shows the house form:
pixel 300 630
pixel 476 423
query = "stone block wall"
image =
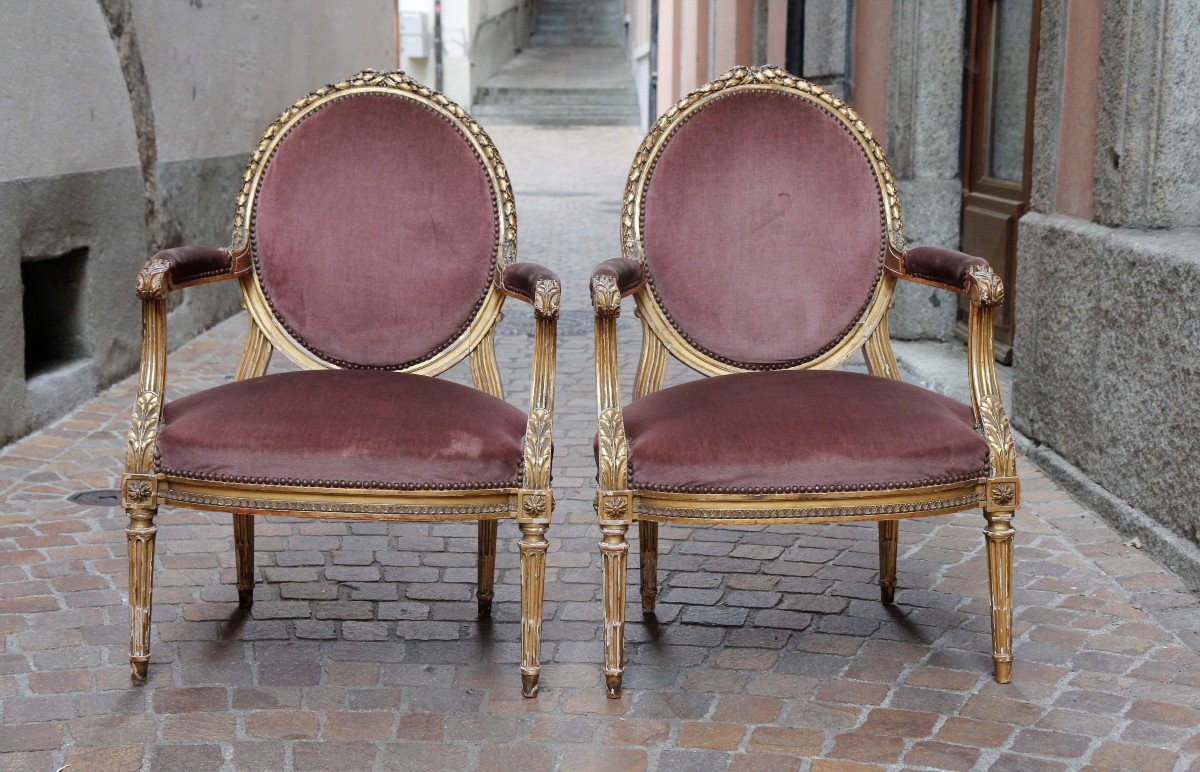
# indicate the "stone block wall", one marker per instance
pixel 206 78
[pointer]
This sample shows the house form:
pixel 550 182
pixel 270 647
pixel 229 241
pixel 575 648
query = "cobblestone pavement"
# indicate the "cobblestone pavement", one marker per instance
pixel 770 648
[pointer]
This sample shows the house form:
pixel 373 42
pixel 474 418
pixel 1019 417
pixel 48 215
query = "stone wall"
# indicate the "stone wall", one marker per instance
pixel 73 201
pixel 1107 367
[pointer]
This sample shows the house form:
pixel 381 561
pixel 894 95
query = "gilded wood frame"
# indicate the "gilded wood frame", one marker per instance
pixel 530 504
pixel 618 505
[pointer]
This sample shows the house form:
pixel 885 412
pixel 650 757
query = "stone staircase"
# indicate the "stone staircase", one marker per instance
pixel 574 71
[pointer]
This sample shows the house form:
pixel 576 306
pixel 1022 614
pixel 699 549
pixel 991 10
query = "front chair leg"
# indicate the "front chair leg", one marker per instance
pixel 889 532
pixel 140 535
pixel 999 534
pixel 243 549
pixel 533 583
pixel 648 543
pixel 614 552
pixel 485 566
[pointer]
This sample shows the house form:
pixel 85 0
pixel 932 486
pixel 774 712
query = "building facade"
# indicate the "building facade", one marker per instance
pixel 1054 138
pixel 124 127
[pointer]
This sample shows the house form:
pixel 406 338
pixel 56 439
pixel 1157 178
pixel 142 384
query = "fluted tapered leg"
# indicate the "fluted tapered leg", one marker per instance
pixel 999 539
pixel 533 584
pixel 889 531
pixel 648 544
pixel 140 534
pixel 486 566
pixel 243 548
pixel 614 554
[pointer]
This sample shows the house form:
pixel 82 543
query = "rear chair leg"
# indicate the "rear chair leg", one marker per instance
pixel 486 566
pixel 648 542
pixel 889 532
pixel 999 534
pixel 243 549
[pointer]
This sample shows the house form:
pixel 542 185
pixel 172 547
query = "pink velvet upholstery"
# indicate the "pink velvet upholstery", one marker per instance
pixel 941 265
pixel 521 279
pixel 344 428
pixel 800 431
pixel 192 265
pixel 374 232
pixel 763 229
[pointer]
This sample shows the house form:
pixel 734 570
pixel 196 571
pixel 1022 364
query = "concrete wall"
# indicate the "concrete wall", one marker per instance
pixel 217 72
pixel 478 37
pixel 1107 370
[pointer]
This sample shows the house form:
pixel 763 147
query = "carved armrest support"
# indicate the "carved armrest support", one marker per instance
pixel 986 292
pixel 613 449
pixel 180 267
pixel 627 276
pixel 534 284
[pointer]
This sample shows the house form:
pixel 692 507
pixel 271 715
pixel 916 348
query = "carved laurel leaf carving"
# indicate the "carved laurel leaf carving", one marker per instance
pixel 614 452
pixel 143 430
pixel 998 434
pixel 396 81
pixel 538 448
pixel 766 75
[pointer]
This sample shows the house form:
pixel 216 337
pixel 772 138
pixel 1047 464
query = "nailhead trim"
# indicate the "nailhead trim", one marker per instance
pixel 759 366
pixel 979 475
pixel 353 485
pixel 478 304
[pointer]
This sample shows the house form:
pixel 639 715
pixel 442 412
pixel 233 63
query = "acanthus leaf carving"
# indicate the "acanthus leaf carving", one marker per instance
pixel 151 282
pixel 998 434
pixel 614 451
pixel 143 430
pixel 606 295
pixel 538 448
pixel 546 297
pixel 987 288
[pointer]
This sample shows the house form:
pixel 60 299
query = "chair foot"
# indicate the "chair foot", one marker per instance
pixel 1003 671
pixel 245 597
pixel 648 601
pixel 138 667
pixel 612 684
pixel 887 594
pixel 485 608
pixel 529 684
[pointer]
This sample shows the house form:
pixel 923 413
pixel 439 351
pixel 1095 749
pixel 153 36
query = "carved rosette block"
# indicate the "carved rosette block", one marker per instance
pixel 614 555
pixel 486 566
pixel 648 545
pixel 999 534
pixel 533 582
pixel 889 532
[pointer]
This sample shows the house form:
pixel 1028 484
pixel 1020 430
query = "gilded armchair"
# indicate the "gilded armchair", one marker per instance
pixel 374 241
pixel 761 242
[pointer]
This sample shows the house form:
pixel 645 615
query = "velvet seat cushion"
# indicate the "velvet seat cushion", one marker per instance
pixel 800 431
pixel 344 428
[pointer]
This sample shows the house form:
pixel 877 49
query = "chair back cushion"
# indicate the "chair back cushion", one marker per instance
pixel 763 228
pixel 374 231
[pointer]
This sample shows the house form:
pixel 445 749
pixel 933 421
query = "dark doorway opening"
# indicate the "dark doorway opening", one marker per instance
pixel 52 301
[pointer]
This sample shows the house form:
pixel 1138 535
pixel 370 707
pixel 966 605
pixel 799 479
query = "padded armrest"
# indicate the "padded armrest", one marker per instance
pixel 193 265
pixel 938 265
pixel 521 279
pixel 628 274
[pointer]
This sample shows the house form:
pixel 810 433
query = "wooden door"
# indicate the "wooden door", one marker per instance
pixel 1002 73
